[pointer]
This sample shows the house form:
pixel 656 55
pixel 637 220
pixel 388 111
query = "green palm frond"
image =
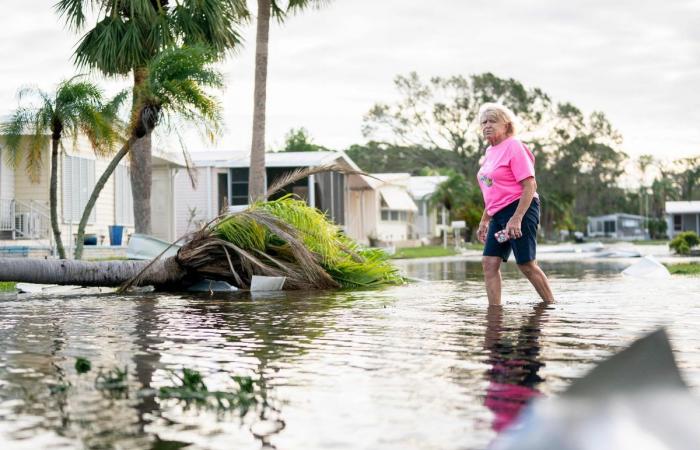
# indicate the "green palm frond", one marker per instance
pixel 73 12
pixel 75 108
pixel 285 237
pixel 177 83
pixel 280 10
pixel 130 33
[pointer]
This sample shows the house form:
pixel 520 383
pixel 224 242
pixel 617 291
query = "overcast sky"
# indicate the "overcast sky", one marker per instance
pixel 637 61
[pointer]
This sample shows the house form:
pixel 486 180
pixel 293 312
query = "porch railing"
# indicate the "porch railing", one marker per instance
pixel 26 219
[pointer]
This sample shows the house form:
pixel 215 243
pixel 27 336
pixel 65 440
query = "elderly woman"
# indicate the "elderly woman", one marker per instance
pixel 512 207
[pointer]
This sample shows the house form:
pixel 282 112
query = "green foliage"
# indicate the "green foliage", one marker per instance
pixel 82 365
pixel 657 228
pixel 441 113
pixel 684 241
pixel 113 381
pixel 383 157
pixel 177 79
pixel 427 251
pixel 8 286
pixel 461 197
pixel 344 260
pixel 692 268
pixel 299 140
pixel 129 33
pixel 191 389
pixel 76 107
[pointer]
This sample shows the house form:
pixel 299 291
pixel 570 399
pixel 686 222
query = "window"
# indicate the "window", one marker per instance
pixel 239 186
pixel 78 183
pixel 392 215
pixel 440 212
pixel 677 222
pixel 123 199
pixel 609 226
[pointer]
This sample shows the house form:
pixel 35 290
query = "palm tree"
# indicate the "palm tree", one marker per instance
pixel 266 9
pixel 175 87
pixel 76 107
pixel 128 35
pixel 284 237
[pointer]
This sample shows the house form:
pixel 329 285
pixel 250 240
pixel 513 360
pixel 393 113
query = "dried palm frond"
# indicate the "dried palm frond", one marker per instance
pixel 299 174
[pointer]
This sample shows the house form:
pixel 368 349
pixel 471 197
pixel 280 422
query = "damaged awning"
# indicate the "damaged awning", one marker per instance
pixel 397 199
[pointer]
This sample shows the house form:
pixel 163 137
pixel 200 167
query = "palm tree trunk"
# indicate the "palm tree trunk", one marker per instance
pixel 256 180
pixel 141 162
pixel 96 193
pixel 53 199
pixel 162 273
pixel 141 183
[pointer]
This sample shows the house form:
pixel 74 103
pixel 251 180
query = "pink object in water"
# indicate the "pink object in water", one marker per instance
pixel 506 401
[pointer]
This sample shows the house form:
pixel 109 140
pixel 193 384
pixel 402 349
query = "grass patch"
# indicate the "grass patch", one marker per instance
pixel 691 268
pixel 427 251
pixel 474 246
pixel 8 286
pixel 652 242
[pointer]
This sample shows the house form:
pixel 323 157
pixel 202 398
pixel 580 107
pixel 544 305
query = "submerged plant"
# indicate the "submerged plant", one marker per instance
pixel 82 365
pixel 191 389
pixel 113 380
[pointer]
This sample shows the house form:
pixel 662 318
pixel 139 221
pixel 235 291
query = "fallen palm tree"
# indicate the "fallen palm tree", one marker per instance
pixel 283 237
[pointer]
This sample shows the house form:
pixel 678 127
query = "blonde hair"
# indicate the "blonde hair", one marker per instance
pixel 502 113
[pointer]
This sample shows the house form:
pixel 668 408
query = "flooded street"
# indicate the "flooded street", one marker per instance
pixel 425 366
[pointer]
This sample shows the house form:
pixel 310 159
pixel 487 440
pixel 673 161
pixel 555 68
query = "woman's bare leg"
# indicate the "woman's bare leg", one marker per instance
pixel 534 273
pixel 492 278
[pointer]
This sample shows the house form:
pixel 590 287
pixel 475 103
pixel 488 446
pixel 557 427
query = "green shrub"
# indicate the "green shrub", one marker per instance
pixel 683 242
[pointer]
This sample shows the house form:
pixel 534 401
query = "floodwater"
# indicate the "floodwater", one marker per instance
pixel 424 366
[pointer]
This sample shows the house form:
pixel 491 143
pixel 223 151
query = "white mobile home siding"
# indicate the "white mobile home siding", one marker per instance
pixel 197 205
pixel 7 178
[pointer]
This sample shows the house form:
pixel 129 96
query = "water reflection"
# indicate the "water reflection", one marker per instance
pixel 515 363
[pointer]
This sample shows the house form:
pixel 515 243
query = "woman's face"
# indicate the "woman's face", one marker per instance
pixel 493 128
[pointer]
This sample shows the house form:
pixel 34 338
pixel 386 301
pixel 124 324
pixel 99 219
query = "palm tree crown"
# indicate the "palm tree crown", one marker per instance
pixel 130 33
pixel 76 107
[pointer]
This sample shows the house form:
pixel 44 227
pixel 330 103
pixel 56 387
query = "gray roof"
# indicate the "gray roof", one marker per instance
pixel 692 207
pixel 272 159
pixel 421 187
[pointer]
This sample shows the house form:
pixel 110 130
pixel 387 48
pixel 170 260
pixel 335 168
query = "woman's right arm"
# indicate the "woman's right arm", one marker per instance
pixel 483 227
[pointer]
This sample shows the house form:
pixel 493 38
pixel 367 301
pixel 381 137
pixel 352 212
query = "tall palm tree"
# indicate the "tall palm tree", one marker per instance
pixel 76 107
pixel 128 35
pixel 175 87
pixel 266 9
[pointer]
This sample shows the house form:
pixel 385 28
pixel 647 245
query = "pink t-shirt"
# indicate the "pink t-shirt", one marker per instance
pixel 505 166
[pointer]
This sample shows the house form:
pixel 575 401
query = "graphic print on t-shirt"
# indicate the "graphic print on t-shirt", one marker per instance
pixel 488 182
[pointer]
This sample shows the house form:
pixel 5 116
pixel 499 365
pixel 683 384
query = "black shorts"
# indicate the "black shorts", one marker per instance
pixel 524 247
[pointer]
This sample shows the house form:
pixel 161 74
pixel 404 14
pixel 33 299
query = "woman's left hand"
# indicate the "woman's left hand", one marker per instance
pixel 513 227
